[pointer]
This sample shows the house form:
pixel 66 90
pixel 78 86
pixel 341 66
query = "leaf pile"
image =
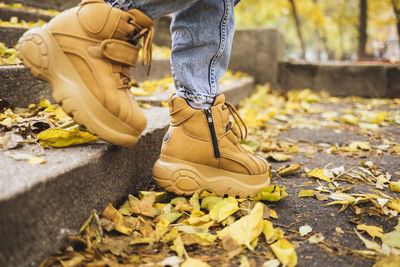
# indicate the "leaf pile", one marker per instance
pixel 43 123
pixel 368 190
pixel 157 228
pixel 18 6
pixel 15 22
pixel 8 56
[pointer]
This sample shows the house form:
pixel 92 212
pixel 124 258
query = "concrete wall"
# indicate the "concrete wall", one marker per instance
pixel 257 51
pixel 342 79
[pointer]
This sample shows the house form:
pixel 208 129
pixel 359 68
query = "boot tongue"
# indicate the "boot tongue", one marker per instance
pixel 219 99
pixel 143 20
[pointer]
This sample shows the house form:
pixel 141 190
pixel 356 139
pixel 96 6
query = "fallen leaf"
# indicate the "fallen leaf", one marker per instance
pixel 392 239
pixel 395 186
pixel 224 209
pixel 271 263
pixel 391 260
pixel 229 244
pixel 144 206
pixel 317 238
pixel 394 204
pixel 306 193
pixel 356 146
pixel 280 157
pixel 161 228
pixel 120 223
pixel 158 196
pixel 271 193
pixel 271 234
pixel 289 169
pixel 368 243
pixel 36 161
pixel 173 261
pixel 210 201
pixel 244 262
pixel 178 247
pixel 285 252
pixel 194 201
pixel 191 262
pixel 64 138
pixel 205 239
pixel 318 173
pixel 305 229
pixel 246 229
pixel 373 231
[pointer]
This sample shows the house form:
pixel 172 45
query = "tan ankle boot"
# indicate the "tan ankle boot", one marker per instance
pixel 201 151
pixel 85 54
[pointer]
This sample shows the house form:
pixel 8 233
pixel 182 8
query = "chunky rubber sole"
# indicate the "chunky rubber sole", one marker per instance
pixel 42 55
pixel 186 178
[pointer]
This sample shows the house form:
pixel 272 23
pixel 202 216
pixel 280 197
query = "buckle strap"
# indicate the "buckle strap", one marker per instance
pixel 120 51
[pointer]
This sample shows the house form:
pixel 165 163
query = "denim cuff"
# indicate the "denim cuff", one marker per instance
pixel 195 101
pixel 124 5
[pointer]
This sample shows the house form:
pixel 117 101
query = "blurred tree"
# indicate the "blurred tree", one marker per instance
pixel 298 29
pixel 362 32
pixel 329 29
pixel 396 10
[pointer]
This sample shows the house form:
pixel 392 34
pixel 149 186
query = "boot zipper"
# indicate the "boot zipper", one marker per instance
pixel 212 131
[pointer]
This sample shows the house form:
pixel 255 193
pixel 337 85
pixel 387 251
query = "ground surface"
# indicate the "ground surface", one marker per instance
pixel 317 131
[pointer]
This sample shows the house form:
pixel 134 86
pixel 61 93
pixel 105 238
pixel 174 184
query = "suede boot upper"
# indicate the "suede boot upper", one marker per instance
pixel 190 138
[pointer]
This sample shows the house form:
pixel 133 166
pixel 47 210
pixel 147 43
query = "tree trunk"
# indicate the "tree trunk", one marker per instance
pixel 362 36
pixel 396 11
pixel 298 29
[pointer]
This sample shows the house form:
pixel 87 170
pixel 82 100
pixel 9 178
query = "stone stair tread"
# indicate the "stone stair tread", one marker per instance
pixel 7 13
pixel 42 205
pixel 19 176
pixel 10 35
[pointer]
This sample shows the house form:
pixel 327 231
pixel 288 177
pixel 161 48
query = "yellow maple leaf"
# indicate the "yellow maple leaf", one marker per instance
pixel 120 223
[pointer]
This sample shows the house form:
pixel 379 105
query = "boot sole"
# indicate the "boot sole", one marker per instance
pixel 42 55
pixel 186 178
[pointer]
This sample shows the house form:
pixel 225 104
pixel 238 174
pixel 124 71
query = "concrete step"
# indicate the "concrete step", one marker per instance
pixel 11 35
pixel 20 88
pixel 41 205
pixel 46 4
pixel 7 13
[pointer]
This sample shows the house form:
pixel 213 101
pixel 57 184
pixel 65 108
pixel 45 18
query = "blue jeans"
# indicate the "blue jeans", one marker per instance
pixel 202 33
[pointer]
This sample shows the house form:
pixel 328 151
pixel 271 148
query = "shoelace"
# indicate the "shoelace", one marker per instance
pixel 148 36
pixel 238 120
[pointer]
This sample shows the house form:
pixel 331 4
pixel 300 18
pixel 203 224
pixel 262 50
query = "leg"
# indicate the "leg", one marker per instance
pixel 202 36
pixel 152 8
pixel 201 150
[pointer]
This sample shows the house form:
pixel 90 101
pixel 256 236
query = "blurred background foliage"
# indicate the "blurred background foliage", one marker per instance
pixel 329 29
